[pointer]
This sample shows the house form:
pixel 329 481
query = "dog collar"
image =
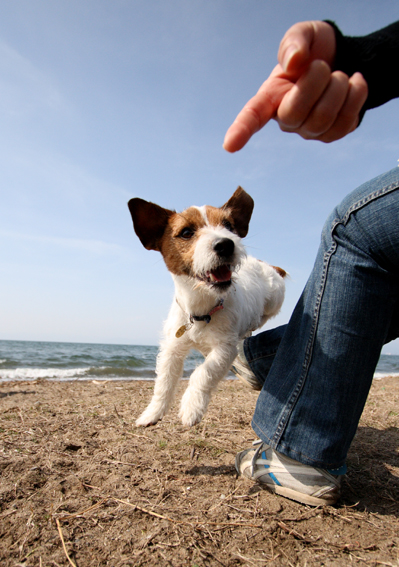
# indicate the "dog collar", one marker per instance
pixel 207 318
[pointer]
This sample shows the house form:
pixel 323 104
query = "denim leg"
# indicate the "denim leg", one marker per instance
pixel 261 349
pixel 319 377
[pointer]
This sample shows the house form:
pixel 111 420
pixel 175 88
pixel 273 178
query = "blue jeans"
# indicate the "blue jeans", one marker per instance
pixel 317 370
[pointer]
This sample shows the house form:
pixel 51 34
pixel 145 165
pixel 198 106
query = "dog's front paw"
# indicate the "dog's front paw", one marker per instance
pixel 150 416
pixel 190 418
pixel 193 406
pixel 142 421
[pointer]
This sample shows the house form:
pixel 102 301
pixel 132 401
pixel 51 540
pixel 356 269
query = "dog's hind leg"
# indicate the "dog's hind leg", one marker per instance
pixel 170 362
pixel 203 380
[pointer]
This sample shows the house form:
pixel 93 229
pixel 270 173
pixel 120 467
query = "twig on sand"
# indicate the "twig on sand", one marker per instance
pixel 70 516
pixel 151 513
pixel 296 534
pixel 145 511
pixel 63 543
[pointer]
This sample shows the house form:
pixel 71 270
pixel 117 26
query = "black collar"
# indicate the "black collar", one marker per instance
pixel 207 318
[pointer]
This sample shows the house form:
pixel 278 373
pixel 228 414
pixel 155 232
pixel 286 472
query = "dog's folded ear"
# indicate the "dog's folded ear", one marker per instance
pixel 240 205
pixel 280 271
pixel 149 221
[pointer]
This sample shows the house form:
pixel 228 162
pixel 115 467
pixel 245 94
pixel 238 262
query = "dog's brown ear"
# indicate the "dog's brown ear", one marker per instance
pixel 280 271
pixel 149 221
pixel 240 206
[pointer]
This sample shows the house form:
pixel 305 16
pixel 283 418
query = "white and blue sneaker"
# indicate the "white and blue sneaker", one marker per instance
pixel 289 478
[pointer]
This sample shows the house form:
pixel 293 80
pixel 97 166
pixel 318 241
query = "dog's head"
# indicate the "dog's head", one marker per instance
pixel 203 243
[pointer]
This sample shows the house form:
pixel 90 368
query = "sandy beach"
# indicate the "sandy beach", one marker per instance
pixel 81 485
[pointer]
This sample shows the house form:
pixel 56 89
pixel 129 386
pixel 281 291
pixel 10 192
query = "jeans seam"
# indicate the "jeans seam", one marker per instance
pixel 255 359
pixel 371 197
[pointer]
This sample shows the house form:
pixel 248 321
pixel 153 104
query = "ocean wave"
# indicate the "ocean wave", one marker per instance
pixel 379 375
pixel 16 374
pixel 35 373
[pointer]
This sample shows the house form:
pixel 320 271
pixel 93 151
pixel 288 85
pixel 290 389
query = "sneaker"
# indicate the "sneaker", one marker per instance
pixel 287 477
pixel 242 369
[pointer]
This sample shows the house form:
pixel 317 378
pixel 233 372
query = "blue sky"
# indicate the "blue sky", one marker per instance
pixel 101 101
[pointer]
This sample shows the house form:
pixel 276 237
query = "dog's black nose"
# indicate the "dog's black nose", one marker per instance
pixel 224 247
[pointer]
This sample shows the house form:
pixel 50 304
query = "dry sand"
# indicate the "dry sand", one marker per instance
pixel 81 485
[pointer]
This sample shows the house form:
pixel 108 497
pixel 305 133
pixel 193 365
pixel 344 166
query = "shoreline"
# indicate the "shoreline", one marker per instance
pixel 99 379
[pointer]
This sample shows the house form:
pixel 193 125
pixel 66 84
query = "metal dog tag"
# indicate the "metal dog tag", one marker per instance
pixel 180 331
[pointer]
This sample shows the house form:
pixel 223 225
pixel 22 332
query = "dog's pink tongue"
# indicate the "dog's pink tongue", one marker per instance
pixel 222 274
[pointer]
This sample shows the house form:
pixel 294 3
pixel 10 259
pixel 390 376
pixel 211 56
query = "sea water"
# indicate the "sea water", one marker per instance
pixel 29 360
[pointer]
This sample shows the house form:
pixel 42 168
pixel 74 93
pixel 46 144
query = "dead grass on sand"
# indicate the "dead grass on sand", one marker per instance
pixel 81 486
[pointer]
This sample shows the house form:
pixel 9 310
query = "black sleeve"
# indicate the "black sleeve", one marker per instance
pixel 376 57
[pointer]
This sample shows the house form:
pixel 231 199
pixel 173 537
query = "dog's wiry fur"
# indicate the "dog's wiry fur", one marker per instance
pixel 202 249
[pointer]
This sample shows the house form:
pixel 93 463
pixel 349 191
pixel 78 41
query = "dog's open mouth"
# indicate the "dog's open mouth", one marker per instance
pixel 220 276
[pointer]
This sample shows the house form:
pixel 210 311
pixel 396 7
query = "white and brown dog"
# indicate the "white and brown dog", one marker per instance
pixel 221 295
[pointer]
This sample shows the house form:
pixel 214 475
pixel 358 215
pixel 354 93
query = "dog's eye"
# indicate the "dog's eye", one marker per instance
pixel 227 224
pixel 186 233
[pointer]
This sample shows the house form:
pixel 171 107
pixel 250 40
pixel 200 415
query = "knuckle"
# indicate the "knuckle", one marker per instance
pixel 288 124
pixel 321 121
pixel 289 118
pixel 340 76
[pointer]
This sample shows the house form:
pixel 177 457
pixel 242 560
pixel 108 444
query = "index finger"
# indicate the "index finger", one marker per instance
pixel 257 112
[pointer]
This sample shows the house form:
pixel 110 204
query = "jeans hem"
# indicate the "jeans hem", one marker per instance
pixel 286 450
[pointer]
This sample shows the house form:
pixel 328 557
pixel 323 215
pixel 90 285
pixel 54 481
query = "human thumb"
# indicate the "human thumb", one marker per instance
pixel 290 58
pixel 294 50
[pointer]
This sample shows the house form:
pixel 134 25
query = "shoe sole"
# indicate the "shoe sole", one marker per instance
pixel 298 496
